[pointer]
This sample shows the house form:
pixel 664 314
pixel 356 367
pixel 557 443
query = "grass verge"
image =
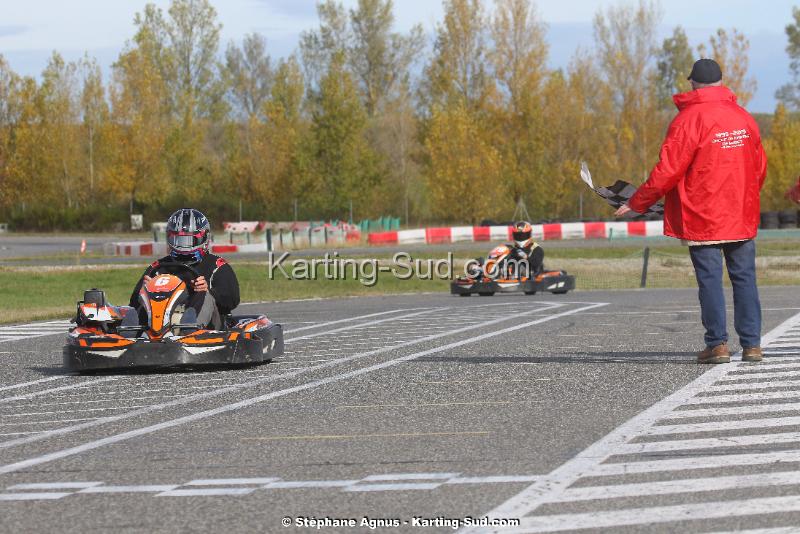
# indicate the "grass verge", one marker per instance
pixel 37 293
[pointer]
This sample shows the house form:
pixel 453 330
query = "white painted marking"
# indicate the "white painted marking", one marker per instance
pixel 60 388
pixel 408 476
pixel 736 378
pixel 549 488
pixel 771 422
pixel 399 486
pixel 370 324
pixel 205 492
pixel 33 382
pixel 91 445
pixel 689 485
pixel 754 385
pixel 54 485
pixel 130 489
pixel 493 479
pixel 742 397
pixel 735 410
pixel 31 496
pixel 707 443
pixel 230 481
pixel 699 462
pixel 348 319
pixel 18 423
pixel 659 514
pixel 309 484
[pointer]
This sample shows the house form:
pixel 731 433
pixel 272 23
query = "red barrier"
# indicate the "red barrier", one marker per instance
pixel 550 231
pixel 594 230
pixel 437 235
pixel 224 248
pixel 481 233
pixel 637 228
pixel 382 238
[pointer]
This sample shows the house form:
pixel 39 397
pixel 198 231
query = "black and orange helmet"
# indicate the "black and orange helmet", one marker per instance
pixel 522 234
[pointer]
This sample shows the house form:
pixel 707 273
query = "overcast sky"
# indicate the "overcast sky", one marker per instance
pixel 31 30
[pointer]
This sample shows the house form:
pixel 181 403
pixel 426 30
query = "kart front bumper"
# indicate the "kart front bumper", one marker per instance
pixel 143 353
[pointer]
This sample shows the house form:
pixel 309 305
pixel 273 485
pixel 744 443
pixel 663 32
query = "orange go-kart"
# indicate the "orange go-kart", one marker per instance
pixel 502 272
pixel 103 337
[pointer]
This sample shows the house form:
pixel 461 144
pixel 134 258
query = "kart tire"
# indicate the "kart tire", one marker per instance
pixel 560 292
pixel 530 292
pixel 486 293
pixel 464 294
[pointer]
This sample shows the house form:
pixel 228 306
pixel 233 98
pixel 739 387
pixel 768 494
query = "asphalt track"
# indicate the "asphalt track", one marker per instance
pixel 583 411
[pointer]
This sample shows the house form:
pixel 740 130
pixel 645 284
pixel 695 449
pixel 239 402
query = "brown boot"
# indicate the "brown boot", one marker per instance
pixel 718 354
pixel 752 354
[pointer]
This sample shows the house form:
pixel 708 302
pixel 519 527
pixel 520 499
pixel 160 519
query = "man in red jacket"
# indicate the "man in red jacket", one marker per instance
pixel 711 169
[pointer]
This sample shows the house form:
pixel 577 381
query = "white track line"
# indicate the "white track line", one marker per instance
pixel 348 319
pixel 736 410
pixel 550 487
pixel 767 422
pixel 708 443
pixel 85 383
pixel 699 462
pixel 659 514
pixel 95 444
pixel 688 485
pixel 33 382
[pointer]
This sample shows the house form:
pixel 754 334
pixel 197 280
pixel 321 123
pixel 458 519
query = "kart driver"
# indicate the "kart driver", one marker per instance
pixel 215 293
pixel 525 248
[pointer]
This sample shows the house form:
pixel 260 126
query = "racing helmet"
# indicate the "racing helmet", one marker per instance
pixel 188 235
pixel 522 234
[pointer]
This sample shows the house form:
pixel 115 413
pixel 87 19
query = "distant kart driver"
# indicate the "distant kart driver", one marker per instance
pixel 525 248
pixel 215 293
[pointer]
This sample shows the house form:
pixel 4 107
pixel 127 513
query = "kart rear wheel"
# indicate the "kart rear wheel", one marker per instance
pixel 464 294
pixel 486 293
pixel 530 292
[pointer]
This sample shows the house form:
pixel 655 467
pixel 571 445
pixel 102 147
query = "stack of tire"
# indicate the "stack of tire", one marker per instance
pixel 771 220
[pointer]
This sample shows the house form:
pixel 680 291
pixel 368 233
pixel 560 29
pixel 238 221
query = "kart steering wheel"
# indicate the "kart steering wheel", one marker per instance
pixel 174 267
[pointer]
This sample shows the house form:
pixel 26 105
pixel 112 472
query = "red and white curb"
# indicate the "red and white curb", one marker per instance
pixel 541 232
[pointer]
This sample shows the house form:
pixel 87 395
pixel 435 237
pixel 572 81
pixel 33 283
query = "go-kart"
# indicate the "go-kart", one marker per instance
pixel 111 337
pixel 501 272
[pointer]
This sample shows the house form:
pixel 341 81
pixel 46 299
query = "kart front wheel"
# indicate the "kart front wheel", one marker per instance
pixel 530 292
pixel 560 292
pixel 486 293
pixel 464 294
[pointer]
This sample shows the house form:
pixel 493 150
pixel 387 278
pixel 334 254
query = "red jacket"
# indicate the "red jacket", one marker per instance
pixel 711 169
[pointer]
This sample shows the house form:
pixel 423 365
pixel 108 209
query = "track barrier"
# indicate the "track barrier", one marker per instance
pixel 541 232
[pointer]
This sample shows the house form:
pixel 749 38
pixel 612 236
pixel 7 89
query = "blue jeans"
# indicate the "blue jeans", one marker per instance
pixel 740 259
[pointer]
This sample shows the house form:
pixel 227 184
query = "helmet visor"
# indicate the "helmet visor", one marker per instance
pixel 184 241
pixel 521 236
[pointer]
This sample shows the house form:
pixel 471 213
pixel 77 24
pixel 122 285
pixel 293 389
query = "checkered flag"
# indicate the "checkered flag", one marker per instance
pixel 617 194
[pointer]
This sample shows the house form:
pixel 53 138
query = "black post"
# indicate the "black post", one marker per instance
pixel 645 261
pixel 269 239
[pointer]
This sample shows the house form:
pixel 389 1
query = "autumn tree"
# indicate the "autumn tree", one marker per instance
pixel 626 51
pixel 674 63
pixel 342 168
pixel 518 60
pixel 730 50
pixel 789 94
pixel 458 73
pixel 140 118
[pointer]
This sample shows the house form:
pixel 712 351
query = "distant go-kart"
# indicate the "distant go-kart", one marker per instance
pixel 499 273
pixel 101 341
